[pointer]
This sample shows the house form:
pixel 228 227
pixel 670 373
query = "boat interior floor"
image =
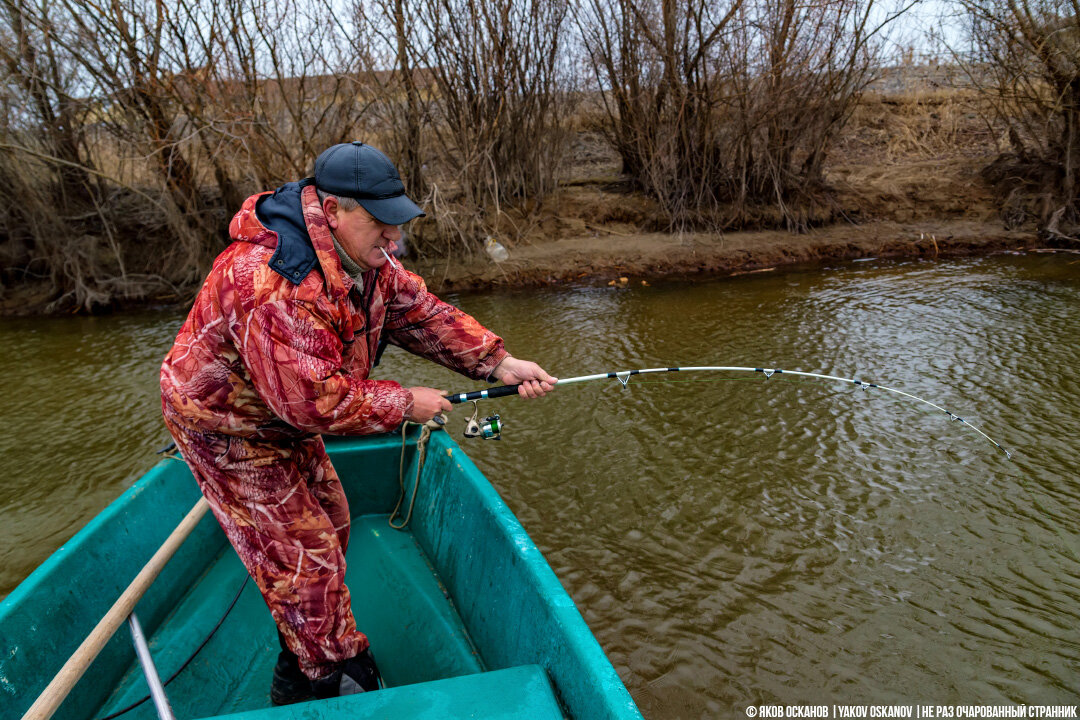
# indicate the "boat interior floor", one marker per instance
pixel 430 665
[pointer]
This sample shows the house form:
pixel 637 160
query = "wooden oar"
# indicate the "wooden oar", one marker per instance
pixel 51 697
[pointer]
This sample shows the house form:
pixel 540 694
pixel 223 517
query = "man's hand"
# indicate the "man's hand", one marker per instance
pixel 427 403
pixel 535 382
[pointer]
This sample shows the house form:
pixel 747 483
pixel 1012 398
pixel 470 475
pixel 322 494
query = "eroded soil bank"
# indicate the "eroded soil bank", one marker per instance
pixel 606 257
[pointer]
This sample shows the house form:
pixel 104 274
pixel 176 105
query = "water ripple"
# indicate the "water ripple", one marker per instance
pixel 730 540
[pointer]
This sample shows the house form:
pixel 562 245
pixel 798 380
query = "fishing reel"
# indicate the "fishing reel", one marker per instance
pixel 489 428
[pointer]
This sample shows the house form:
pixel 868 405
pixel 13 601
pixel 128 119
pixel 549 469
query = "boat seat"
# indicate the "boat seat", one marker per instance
pixel 518 693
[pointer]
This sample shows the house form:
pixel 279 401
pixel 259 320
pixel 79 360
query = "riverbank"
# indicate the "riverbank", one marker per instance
pixel 617 257
pixel 606 257
pixel 905 178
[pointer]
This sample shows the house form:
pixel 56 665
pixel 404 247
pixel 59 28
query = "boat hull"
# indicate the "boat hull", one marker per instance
pixel 465 617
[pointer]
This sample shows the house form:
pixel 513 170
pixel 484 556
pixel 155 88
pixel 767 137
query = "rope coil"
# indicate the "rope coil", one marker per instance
pixel 421 448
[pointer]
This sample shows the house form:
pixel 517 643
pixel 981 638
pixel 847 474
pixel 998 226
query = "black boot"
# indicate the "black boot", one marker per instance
pixel 290 684
pixel 356 675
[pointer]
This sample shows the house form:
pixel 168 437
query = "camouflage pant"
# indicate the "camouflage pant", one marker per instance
pixel 283 509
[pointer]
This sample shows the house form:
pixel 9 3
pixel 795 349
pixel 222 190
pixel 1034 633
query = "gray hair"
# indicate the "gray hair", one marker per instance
pixel 346 203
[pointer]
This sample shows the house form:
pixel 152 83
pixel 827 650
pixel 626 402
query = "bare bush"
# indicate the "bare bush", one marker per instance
pixel 149 123
pixel 478 104
pixel 53 221
pixel 1026 61
pixel 724 111
pixel 282 81
pixel 135 128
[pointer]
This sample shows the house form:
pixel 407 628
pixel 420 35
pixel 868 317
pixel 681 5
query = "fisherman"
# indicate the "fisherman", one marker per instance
pixel 276 352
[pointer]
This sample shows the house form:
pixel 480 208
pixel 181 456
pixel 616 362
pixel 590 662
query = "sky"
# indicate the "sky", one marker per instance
pixel 925 25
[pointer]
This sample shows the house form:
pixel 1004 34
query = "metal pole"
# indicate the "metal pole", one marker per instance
pixel 157 690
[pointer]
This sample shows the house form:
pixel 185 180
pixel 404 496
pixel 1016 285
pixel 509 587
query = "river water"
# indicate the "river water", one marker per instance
pixel 731 540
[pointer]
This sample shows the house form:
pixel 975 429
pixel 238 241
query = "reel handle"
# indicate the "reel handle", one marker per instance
pixel 495 392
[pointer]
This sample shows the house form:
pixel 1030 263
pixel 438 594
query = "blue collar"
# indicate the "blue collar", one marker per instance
pixel 283 213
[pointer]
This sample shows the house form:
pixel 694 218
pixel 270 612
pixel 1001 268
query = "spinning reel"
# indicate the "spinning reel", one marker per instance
pixel 489 428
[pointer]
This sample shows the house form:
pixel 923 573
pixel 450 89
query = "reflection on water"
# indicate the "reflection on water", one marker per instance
pixel 730 539
pixel 80 423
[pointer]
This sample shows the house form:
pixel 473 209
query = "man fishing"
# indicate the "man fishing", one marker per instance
pixel 275 352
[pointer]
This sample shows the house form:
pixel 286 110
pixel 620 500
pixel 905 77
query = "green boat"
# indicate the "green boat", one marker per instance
pixel 464 615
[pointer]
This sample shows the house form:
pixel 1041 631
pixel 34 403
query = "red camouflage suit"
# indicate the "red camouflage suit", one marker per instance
pixel 261 367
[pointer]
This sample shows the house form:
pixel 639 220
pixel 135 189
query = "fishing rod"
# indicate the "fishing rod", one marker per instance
pixel 490 428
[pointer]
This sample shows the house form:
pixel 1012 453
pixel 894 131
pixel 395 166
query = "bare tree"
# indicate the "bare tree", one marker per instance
pixel 479 91
pixel 134 128
pixel 1026 61
pixel 287 83
pixel 396 83
pixel 54 225
pixel 724 111
pixel 138 127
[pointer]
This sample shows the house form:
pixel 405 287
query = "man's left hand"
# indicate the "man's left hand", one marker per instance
pixel 535 381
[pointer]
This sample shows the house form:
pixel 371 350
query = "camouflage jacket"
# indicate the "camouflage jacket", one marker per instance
pixel 280 340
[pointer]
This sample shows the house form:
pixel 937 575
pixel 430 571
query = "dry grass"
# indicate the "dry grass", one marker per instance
pixel 903 157
pixel 916 155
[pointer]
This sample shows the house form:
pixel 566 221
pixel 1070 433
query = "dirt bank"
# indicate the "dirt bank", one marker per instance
pixel 605 256
pixel 906 172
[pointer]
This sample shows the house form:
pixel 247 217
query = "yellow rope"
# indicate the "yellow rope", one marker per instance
pixel 421 447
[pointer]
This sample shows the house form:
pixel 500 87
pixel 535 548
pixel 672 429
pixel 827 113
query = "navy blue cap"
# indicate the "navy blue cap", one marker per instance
pixel 361 172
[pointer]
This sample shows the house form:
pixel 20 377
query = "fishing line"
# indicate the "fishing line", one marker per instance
pixel 786 381
pixel 490 427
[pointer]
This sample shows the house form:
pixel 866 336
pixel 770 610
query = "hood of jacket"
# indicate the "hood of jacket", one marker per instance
pixel 291 221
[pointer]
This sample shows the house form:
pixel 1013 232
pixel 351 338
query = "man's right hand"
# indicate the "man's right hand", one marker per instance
pixel 427 403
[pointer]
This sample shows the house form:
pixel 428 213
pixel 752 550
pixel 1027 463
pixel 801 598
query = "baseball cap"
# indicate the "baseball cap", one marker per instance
pixel 361 172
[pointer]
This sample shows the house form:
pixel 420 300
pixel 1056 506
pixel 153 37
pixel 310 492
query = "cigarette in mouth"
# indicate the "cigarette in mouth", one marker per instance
pixel 388 258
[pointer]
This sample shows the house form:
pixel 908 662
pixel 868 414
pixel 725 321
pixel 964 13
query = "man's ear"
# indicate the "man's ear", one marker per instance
pixel 330 210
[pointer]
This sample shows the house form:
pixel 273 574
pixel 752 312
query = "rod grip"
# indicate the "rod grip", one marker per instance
pixel 495 392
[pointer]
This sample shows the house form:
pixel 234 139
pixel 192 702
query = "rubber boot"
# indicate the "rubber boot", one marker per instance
pixel 356 675
pixel 290 684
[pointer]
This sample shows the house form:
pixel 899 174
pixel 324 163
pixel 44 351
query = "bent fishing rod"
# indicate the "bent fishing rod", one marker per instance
pixel 490 427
